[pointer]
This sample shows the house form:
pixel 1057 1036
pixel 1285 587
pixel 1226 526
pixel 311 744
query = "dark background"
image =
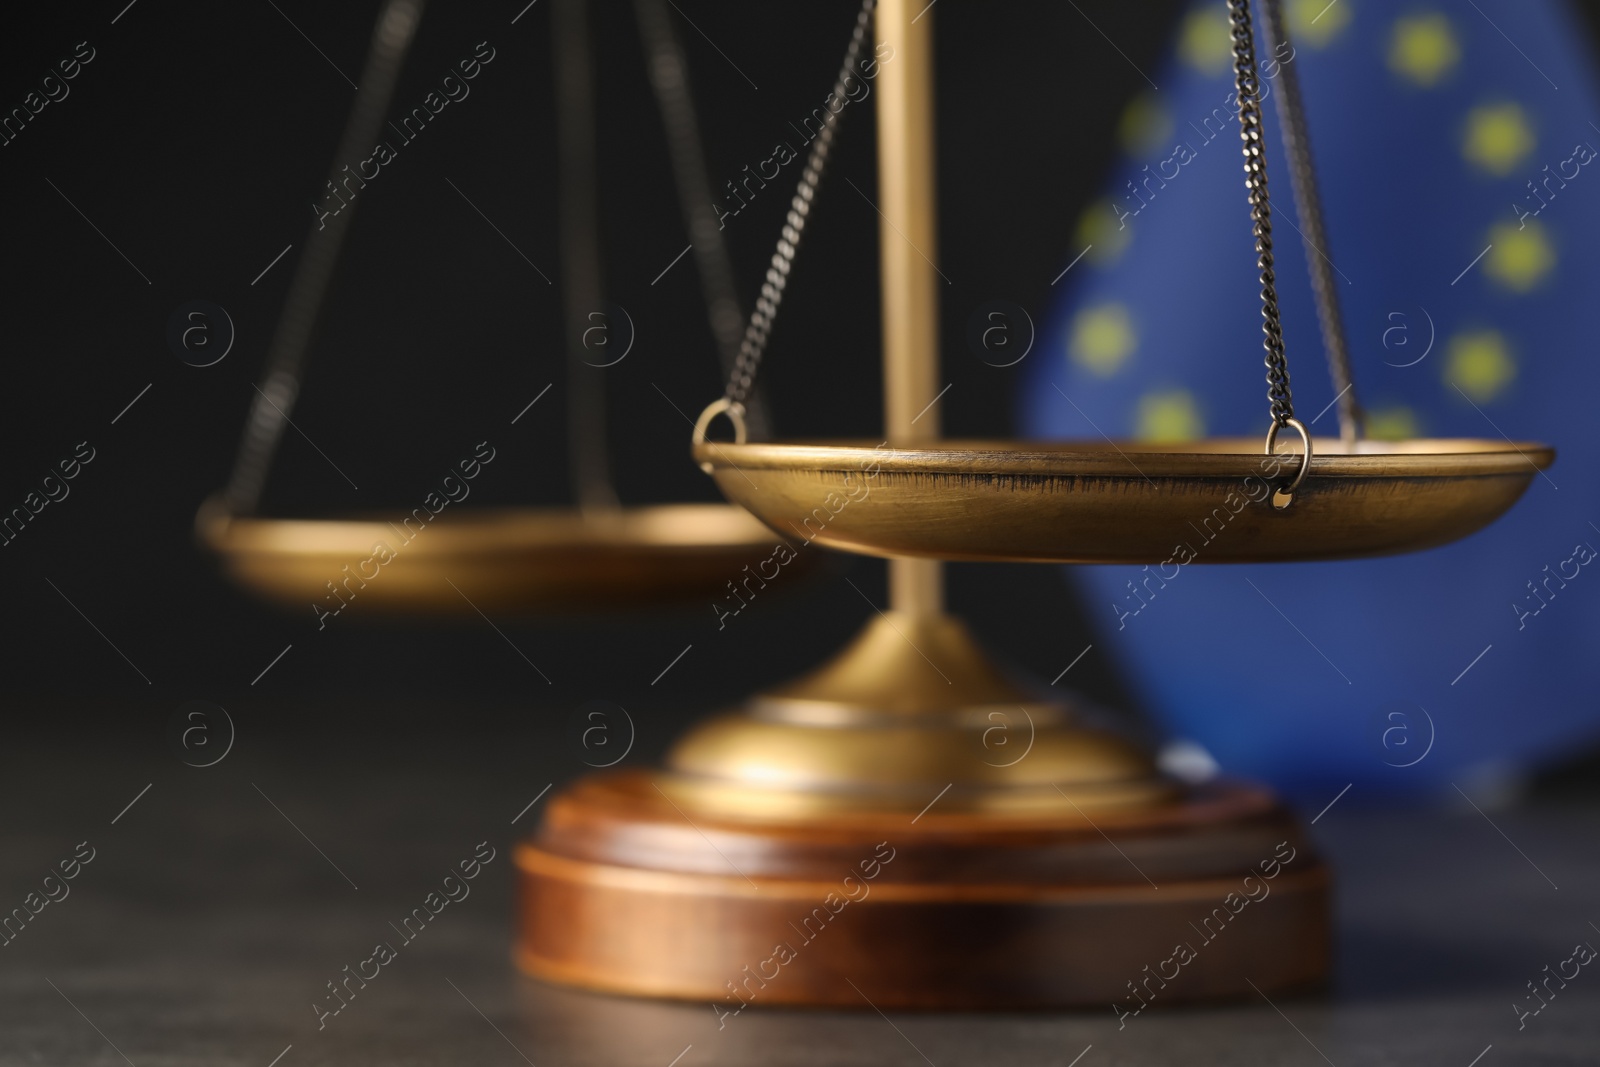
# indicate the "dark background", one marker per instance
pixel 197 140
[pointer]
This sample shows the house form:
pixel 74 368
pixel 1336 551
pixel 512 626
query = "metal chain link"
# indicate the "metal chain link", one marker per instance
pixel 313 275
pixel 669 77
pixel 581 252
pixel 756 334
pixel 1313 232
pixel 1248 83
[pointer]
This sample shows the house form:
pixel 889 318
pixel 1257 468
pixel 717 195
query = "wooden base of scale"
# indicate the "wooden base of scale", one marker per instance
pixel 949 880
pixel 620 893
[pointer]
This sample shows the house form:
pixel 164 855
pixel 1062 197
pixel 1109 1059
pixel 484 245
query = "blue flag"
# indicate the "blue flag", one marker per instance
pixel 1454 144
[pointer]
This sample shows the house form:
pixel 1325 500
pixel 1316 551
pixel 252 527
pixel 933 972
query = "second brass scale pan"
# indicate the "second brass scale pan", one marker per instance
pixel 509 559
pixel 598 556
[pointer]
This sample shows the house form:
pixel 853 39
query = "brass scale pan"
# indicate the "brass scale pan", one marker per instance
pixel 599 557
pixel 494 559
pixel 1124 502
pixel 1215 501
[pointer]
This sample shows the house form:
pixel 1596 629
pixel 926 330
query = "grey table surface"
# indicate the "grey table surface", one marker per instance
pixel 219 904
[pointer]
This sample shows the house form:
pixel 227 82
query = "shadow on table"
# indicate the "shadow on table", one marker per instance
pixel 1388 964
pixel 624 1030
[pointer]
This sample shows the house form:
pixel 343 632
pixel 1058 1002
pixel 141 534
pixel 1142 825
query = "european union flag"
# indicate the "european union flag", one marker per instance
pixel 1453 142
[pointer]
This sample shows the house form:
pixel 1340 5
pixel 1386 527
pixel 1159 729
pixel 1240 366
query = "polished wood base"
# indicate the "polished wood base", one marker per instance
pixel 623 890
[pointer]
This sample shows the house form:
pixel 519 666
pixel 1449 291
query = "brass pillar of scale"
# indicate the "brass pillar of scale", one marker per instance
pixel 855 837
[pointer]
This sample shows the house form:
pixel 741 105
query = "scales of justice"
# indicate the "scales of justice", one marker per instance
pixel 848 838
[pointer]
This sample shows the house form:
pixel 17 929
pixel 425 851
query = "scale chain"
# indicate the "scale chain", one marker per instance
pixel 313 275
pixel 759 329
pixel 1308 206
pixel 668 70
pixel 1248 83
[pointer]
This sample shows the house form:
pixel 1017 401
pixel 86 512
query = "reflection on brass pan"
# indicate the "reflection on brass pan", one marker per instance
pixel 1124 502
pixel 493 560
